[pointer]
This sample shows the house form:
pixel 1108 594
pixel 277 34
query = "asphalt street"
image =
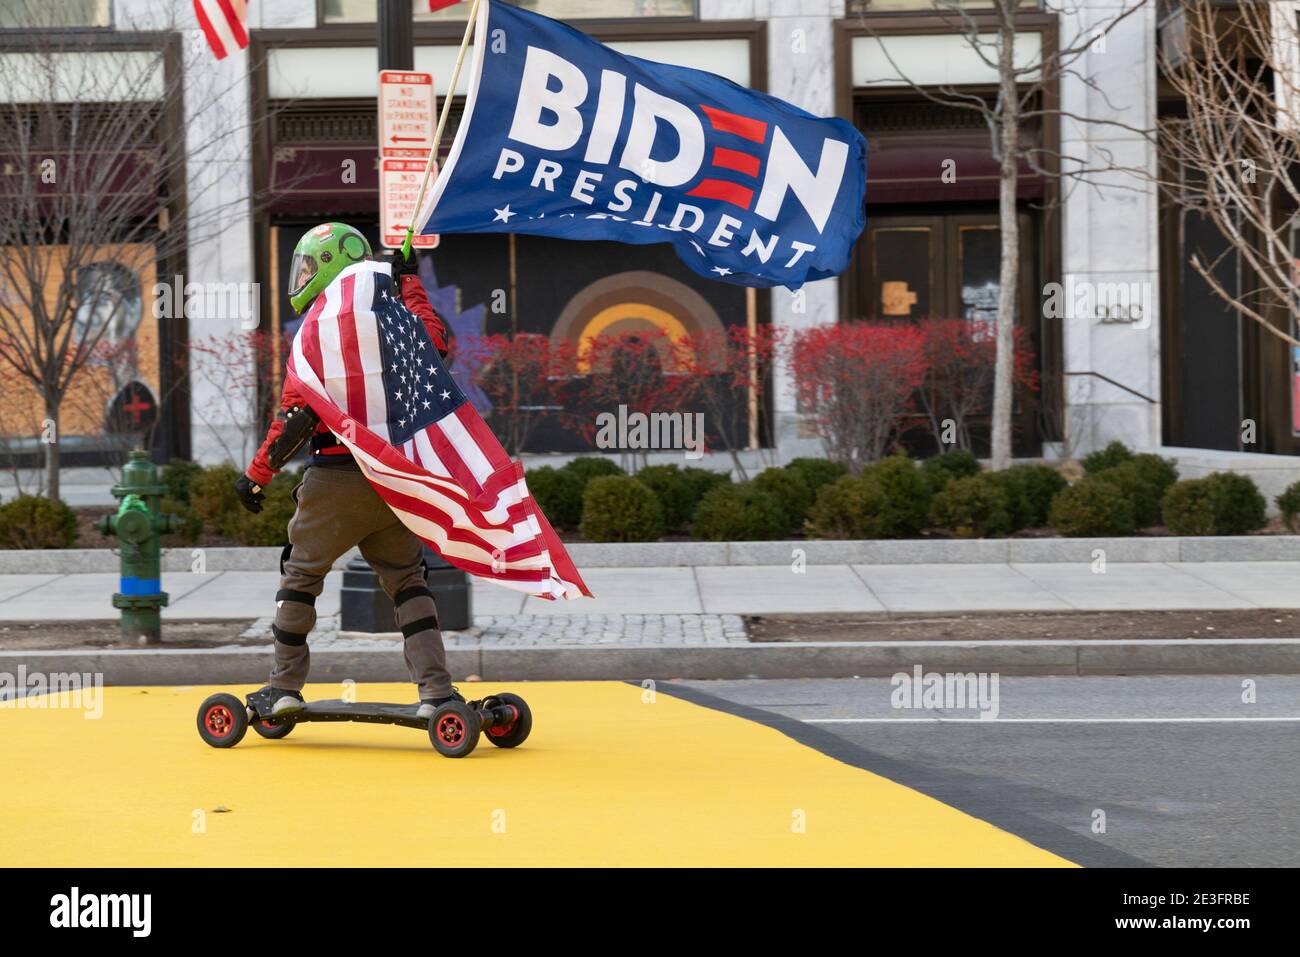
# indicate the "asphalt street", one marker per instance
pixel 1180 771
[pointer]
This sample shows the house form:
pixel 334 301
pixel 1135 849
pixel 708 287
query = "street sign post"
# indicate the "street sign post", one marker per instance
pixel 406 128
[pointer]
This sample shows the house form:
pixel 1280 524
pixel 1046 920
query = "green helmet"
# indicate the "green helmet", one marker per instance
pixel 323 252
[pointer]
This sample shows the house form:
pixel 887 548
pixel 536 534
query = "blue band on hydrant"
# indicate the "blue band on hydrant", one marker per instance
pixel 140 586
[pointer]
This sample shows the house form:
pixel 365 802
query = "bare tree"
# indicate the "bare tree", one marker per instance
pixel 1023 79
pixel 1236 150
pixel 96 143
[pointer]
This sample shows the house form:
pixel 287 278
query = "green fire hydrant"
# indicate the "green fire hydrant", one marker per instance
pixel 138 525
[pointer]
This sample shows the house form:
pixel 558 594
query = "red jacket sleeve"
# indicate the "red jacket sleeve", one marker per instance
pixel 259 470
pixel 414 298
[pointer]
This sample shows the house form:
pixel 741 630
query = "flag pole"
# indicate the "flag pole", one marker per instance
pixel 442 123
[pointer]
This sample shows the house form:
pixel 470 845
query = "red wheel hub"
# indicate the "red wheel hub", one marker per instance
pixel 219 720
pixel 451 729
pixel 501 730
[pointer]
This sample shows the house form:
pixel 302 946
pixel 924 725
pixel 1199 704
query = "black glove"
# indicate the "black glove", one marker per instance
pixel 402 266
pixel 250 494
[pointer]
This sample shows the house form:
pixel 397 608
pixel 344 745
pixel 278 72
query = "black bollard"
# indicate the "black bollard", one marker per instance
pixel 366 607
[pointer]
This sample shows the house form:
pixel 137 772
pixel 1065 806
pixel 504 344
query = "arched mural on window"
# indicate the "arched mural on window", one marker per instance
pixel 633 302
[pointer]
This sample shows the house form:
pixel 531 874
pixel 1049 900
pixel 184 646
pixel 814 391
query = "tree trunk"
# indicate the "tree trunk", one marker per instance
pixel 50 438
pixel 1009 272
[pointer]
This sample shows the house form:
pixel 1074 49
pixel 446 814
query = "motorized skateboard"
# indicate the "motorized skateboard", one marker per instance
pixel 454 729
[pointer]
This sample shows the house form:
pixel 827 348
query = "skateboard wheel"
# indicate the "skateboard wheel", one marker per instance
pixel 516 732
pixel 273 731
pixel 454 729
pixel 222 721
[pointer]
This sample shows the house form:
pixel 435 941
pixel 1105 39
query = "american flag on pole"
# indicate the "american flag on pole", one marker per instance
pixel 224 23
pixel 368 368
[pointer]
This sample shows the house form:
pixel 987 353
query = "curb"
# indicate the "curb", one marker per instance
pixel 954 551
pixel 864 659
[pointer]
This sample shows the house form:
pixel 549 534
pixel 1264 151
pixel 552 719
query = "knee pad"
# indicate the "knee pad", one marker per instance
pixel 425 622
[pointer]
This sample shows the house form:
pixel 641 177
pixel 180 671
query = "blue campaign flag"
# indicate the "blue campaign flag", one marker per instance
pixel 564 137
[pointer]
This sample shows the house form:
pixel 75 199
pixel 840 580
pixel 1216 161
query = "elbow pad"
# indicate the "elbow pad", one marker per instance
pixel 299 424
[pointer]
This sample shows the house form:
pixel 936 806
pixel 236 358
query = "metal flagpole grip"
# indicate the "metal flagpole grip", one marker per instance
pixel 442 123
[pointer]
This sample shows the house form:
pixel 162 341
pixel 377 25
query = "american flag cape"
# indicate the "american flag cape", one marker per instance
pixel 367 367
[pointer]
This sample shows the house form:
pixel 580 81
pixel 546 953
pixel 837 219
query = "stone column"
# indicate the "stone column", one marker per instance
pixel 1110 289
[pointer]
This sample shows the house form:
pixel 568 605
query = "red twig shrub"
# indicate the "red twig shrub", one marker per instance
pixel 646 371
pixel 856 381
pixel 730 372
pixel 524 377
pixel 958 382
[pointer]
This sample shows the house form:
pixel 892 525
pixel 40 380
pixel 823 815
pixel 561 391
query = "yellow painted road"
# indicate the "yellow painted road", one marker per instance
pixel 610 776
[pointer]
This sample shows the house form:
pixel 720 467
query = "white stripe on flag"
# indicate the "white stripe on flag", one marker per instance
pixel 372 357
pixel 302 368
pixel 331 349
pixel 465 446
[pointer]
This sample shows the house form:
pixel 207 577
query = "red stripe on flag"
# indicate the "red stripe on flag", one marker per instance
pixel 352 367
pixel 436 5
pixel 236 24
pixel 732 193
pixel 310 333
pixel 734 159
pixel 742 126
pixel 564 568
pixel 205 25
pixel 487 442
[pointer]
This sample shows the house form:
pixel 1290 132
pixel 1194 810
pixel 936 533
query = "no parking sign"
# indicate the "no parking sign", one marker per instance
pixel 406 126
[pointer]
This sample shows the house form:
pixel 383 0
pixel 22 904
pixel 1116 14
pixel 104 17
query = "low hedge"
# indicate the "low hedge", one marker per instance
pixel 1223 503
pixel 31 521
pixel 817 473
pixel 1288 504
pixel 588 467
pixel 1029 490
pixel 890 499
pixel 213 500
pixel 1143 479
pixel 558 494
pixel 1116 453
pixel 740 512
pixel 679 490
pixel 939 470
pixel 618 508
pixel 905 507
pixel 1092 507
pixel 973 506
pixel 791 492
pixel 849 508
pixel 177 475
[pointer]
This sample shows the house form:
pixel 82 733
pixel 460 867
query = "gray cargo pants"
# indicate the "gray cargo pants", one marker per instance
pixel 337 509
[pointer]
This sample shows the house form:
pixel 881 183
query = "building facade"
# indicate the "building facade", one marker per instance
pixel 1127 345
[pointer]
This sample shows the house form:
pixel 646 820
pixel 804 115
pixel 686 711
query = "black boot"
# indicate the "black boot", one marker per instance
pixel 269 701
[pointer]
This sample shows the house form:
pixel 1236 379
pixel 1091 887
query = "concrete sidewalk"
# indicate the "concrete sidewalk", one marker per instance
pixel 739 590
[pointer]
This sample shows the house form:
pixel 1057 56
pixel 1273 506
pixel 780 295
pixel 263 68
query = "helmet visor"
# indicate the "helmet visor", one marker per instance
pixel 301 271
